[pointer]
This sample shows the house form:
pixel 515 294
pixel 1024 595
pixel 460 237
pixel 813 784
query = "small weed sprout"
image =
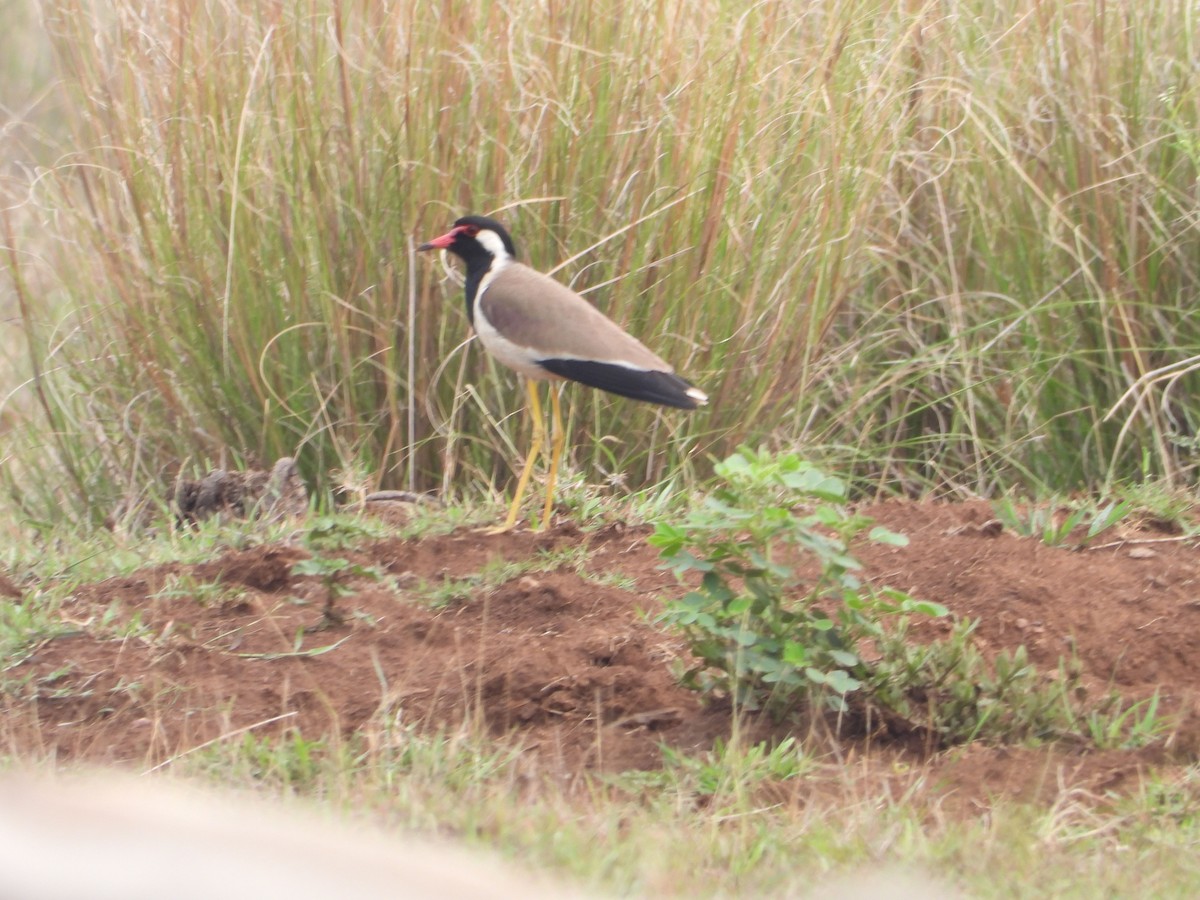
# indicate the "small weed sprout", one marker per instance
pixel 1056 525
pixel 770 632
pixel 333 572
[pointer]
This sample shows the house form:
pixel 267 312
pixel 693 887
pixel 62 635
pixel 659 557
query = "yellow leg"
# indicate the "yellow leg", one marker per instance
pixel 535 447
pixel 556 446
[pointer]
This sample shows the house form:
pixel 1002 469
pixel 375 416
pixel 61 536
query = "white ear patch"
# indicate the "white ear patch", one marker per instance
pixel 492 243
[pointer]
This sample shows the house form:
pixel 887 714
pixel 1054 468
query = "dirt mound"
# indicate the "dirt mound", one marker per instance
pixel 565 654
pixel 1128 604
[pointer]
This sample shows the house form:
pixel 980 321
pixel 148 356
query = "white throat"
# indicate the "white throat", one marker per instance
pixel 491 242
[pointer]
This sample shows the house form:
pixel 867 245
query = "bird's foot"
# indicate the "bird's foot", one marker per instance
pixel 508 527
pixel 497 529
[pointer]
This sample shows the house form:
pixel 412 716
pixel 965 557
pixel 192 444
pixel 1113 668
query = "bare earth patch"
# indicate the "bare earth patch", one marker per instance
pixel 570 664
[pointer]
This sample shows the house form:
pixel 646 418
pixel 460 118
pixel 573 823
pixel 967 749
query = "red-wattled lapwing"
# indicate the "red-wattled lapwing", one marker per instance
pixel 546 331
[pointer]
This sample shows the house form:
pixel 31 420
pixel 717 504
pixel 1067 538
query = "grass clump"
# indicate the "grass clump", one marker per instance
pixel 1075 523
pixel 939 243
pixel 948 689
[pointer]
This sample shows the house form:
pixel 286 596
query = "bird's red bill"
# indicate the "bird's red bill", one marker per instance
pixel 440 243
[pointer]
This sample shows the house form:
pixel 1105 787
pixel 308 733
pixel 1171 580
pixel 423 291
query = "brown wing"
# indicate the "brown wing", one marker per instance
pixel 535 311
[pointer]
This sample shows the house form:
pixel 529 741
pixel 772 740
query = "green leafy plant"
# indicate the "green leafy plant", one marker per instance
pixel 330 533
pixel 780 612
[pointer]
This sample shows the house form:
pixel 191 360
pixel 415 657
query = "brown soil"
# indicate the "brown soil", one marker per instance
pixel 573 666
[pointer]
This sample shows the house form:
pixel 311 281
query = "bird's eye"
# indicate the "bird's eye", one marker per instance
pixel 472 230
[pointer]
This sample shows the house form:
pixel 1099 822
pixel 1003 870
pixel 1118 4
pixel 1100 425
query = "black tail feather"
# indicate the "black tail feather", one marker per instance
pixel 663 388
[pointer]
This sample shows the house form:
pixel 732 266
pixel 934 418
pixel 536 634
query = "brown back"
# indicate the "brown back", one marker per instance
pixel 533 310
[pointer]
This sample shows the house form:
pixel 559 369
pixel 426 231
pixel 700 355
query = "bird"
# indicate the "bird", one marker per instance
pixel 546 332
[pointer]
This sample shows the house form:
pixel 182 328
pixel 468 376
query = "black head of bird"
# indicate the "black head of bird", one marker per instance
pixel 546 331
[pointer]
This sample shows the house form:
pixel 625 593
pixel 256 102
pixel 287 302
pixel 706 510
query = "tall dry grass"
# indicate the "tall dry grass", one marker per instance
pixel 936 243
